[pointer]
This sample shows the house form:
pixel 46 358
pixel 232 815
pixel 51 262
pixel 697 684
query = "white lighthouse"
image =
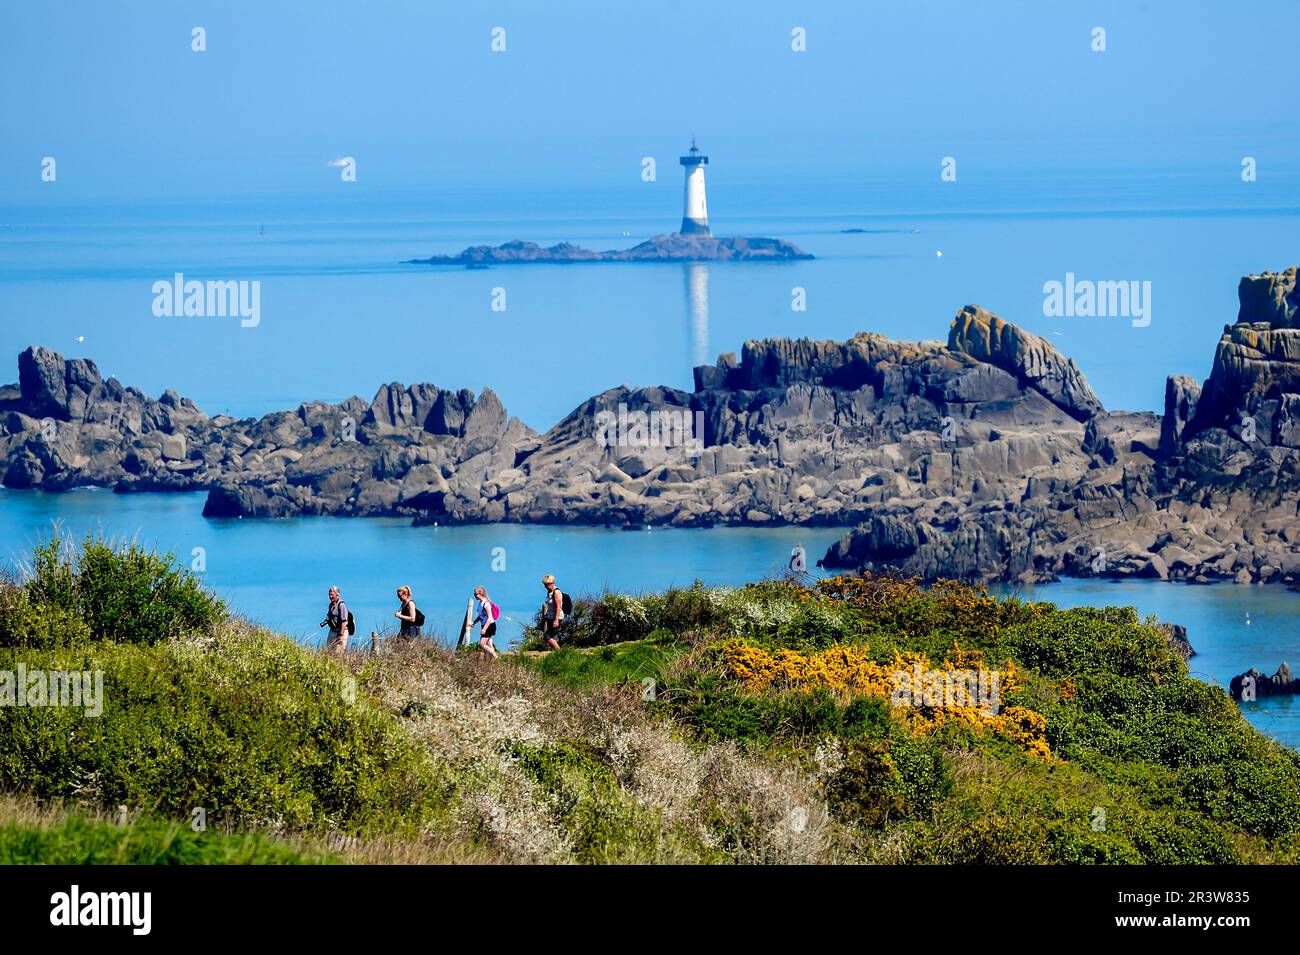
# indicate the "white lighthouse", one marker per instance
pixel 695 215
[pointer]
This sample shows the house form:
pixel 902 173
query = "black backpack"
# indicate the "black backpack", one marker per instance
pixel 419 617
pixel 352 625
pixel 566 604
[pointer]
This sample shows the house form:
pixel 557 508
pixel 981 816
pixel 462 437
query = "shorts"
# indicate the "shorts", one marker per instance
pixel 489 632
pixel 336 643
pixel 552 630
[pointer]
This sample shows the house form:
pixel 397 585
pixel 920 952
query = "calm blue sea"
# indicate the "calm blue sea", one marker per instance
pixel 341 314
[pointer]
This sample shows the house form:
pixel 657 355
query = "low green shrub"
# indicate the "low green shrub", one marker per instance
pixel 26 622
pixel 881 781
pixel 618 618
pixel 715 708
pixel 1109 640
pixel 122 593
pixel 609 664
pixel 250 727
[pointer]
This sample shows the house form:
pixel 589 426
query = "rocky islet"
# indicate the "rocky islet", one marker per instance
pixel 696 247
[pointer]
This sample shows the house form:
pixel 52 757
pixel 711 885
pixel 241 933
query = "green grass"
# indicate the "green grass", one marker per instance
pixel 76 838
pixel 630 662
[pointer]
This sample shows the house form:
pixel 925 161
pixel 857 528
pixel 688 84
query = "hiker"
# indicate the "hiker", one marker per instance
pixel 411 617
pixel 487 617
pixel 552 612
pixel 339 620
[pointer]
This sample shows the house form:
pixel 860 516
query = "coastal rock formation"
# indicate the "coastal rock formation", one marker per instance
pixel 1034 362
pixel 662 248
pixel 1208 491
pixel 1252 684
pixel 985 457
pixel 1178 642
pixel 63 426
pixel 1181 397
pixel 1271 298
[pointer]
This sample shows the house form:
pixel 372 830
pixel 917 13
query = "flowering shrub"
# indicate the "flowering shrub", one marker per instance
pixel 1025 727
pixel 869 590
pixel 617 618
pixel 849 670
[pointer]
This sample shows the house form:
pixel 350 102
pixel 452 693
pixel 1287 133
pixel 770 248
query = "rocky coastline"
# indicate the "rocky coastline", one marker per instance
pixel 985 457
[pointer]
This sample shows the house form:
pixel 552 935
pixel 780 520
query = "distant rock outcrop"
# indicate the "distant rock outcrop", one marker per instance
pixel 1178 642
pixel 662 248
pixel 53 387
pixel 1181 397
pixel 1252 684
pixel 1271 298
pixel 408 450
pixel 987 457
pixel 1254 386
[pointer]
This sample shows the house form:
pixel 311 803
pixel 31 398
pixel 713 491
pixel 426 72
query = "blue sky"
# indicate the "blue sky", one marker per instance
pixel 584 89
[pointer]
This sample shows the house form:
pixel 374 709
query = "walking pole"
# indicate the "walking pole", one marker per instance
pixel 467 624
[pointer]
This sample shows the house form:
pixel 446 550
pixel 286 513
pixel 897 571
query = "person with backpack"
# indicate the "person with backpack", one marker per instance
pixel 558 605
pixel 341 623
pixel 486 618
pixel 409 614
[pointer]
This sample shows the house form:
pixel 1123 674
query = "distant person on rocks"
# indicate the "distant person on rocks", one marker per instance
pixel 339 620
pixel 487 616
pixel 412 619
pixel 554 611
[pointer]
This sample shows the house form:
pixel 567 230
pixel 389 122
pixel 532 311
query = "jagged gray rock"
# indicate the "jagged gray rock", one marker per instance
pixel 1216 496
pixel 986 337
pixel 986 457
pixel 1252 684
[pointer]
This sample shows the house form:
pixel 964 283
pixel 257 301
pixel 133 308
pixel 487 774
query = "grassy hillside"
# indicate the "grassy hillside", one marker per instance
pixel 758 724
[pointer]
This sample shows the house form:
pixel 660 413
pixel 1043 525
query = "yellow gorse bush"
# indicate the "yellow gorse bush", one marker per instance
pixel 1026 727
pixel 848 670
pixel 844 668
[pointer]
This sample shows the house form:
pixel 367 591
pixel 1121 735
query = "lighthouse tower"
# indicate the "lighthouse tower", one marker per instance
pixel 695 215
